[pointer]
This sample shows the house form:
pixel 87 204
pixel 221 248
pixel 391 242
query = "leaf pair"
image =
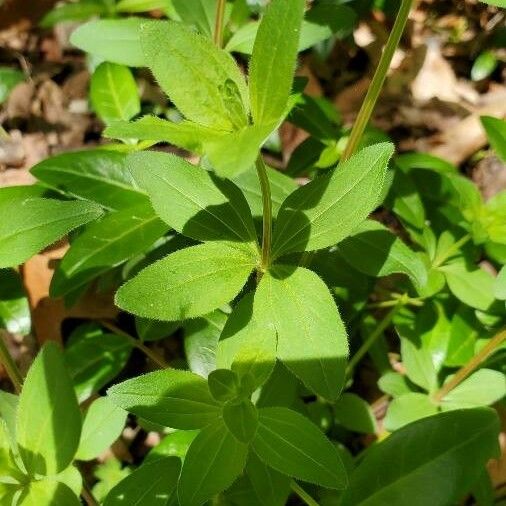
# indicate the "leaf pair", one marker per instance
pixel 282 439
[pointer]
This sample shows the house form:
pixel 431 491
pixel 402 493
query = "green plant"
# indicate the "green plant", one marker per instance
pixel 253 269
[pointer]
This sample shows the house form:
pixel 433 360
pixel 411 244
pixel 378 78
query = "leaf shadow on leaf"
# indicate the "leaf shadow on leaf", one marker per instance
pixel 295 220
pixel 383 243
pixel 229 221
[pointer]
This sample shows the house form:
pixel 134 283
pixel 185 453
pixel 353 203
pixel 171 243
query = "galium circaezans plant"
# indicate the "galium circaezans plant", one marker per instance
pixel 252 267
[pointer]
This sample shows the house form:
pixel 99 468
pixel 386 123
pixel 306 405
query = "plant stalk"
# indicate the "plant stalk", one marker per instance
pixel 265 187
pixel 218 27
pixel 366 345
pixel 10 366
pixel 467 369
pixel 451 250
pixel 303 494
pixel 378 80
pixel 137 344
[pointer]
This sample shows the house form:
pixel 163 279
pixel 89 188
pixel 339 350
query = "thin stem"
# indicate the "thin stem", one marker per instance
pixel 451 250
pixel 88 496
pixel 466 370
pixel 378 80
pixel 218 27
pixel 303 494
pixel 366 345
pixel 10 366
pixel 265 186
pixel 138 344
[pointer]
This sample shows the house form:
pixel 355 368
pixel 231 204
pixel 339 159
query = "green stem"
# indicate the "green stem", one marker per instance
pixel 265 187
pixel 378 80
pixel 218 27
pixel 138 344
pixel 451 250
pixel 466 370
pixel 10 366
pixel 366 345
pixel 303 494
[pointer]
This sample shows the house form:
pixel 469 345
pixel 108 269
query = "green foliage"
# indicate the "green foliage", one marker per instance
pixel 273 60
pixel 214 460
pixel 172 398
pixel 218 270
pixel 460 440
pixel 113 40
pixel 36 223
pixel 113 93
pixel 291 444
pixel 9 78
pixel 49 403
pixel 274 298
pixel 102 425
pixel 328 209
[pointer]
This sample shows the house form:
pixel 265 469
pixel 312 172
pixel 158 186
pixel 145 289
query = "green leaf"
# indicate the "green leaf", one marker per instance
pixel 172 398
pixel 465 330
pixel 106 244
pixel 241 418
pixel 191 200
pixel 500 284
pixel 175 444
pixel 408 408
pixel 94 358
pixel 248 342
pixel 318 26
pixel 8 413
pixel 353 413
pixel 97 175
pixel 152 484
pixel 375 251
pixel 15 314
pixel 236 152
pixel 291 444
pixel 154 330
pixel 394 384
pixel 171 289
pixel 47 493
pixel 271 487
pixel 79 11
pixel 214 460
pixel 418 363
pixel 9 78
pixel 441 456
pixel 223 384
pixel 312 340
pixel 102 425
pixel 498 3
pixel 112 40
pixel 48 416
pixel 113 93
pixel 200 342
pixel 206 85
pixel 328 209
pixel 482 388
pixel 473 286
pixel 496 133
pixel 273 60
pixel 133 6
pixel 35 223
pixel 483 66
pixel 200 13
pixel 184 134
